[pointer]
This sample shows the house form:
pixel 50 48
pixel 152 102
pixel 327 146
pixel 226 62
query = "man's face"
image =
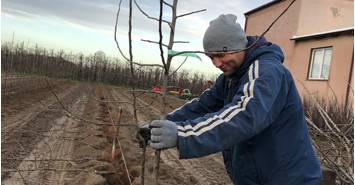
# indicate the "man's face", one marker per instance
pixel 229 63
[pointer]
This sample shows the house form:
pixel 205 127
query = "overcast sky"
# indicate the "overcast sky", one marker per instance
pixel 87 26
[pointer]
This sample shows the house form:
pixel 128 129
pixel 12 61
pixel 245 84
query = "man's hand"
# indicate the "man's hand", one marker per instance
pixel 164 134
pixel 143 135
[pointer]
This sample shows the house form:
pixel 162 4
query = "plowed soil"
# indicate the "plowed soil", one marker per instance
pixel 64 133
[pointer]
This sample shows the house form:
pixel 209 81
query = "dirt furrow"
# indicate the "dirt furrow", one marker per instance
pixel 13 121
pixel 67 129
pixel 33 141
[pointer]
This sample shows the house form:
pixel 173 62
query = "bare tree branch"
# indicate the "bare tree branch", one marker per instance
pixel 154 42
pixel 334 147
pixel 198 11
pixel 161 38
pixel 115 33
pixel 149 17
pixel 167 4
pixel 178 67
pixel 181 42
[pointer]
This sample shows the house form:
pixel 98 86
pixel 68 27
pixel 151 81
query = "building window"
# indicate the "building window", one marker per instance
pixel 320 63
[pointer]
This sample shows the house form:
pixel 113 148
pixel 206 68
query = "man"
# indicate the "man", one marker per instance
pixel 253 114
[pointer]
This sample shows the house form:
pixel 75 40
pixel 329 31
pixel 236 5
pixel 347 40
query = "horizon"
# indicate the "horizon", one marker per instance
pixel 87 27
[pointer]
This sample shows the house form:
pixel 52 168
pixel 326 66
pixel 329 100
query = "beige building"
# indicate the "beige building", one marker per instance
pixel 317 37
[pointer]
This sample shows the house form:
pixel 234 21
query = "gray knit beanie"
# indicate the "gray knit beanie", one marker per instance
pixel 224 34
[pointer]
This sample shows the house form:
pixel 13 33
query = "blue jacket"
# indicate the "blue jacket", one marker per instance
pixel 256 118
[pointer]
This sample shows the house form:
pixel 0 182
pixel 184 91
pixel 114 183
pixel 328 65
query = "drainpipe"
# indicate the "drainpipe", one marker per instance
pixel 349 80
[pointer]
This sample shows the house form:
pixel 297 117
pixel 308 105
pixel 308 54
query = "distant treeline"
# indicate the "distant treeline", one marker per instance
pixel 93 68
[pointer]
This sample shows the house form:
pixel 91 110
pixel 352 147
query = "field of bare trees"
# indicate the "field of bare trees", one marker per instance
pixel 93 68
pixel 62 133
pixel 59 128
pixel 71 119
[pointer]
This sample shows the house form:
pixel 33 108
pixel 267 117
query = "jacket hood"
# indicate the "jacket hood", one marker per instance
pixel 262 48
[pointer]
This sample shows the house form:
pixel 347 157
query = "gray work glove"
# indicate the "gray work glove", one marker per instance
pixel 164 134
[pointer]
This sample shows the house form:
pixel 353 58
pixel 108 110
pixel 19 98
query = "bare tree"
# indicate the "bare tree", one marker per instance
pixel 165 60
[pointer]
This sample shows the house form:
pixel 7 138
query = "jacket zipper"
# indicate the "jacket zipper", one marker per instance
pixel 230 90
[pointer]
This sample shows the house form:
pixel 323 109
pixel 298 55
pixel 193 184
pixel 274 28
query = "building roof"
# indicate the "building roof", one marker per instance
pixel 262 7
pixel 323 34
